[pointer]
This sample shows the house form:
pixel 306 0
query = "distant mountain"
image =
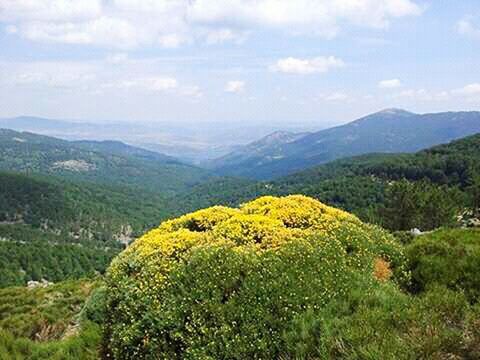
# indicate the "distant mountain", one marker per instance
pixel 121 149
pixel 34 124
pixel 190 141
pixel 111 163
pixel 356 183
pixel 267 149
pixel 388 131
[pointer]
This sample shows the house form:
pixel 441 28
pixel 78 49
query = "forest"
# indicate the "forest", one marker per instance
pixel 403 295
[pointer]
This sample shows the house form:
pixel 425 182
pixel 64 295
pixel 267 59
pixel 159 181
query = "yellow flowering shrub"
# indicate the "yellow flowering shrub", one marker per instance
pixel 224 283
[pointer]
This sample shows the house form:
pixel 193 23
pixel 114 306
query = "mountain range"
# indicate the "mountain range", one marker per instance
pixel 387 131
pixel 189 141
pixel 106 162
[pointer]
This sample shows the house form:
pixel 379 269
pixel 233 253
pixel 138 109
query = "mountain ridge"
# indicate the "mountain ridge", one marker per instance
pixel 120 164
pixel 386 131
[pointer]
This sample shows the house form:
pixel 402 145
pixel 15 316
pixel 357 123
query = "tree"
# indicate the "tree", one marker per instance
pixel 420 205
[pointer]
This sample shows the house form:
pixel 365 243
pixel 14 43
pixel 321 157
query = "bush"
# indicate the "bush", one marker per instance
pixel 227 283
pixel 42 323
pixel 95 306
pixel 449 257
pixel 383 323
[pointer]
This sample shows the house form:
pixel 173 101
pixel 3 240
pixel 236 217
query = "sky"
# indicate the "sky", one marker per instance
pixel 279 62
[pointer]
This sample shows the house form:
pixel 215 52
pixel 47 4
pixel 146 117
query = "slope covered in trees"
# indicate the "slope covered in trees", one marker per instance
pixel 77 209
pixel 361 184
pixel 55 229
pixel 110 163
pixel 394 131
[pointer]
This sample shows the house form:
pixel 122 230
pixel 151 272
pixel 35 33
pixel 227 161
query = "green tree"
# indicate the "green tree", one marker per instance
pixel 420 205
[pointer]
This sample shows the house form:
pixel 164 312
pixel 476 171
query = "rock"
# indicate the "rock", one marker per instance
pixel 473 222
pixel 38 284
pixel 415 232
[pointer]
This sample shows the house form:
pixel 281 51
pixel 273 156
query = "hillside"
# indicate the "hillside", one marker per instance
pixel 264 150
pixel 84 210
pixel 111 163
pixel 393 131
pixel 354 184
pixel 54 229
pixel 121 149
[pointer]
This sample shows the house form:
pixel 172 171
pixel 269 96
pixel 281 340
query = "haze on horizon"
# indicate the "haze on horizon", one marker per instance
pixel 305 62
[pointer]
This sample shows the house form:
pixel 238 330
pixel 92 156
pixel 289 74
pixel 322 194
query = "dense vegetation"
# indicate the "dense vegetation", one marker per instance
pixel 79 210
pixel 48 323
pixel 239 276
pixel 55 229
pixel 363 184
pixel 449 258
pixel 393 131
pixel 434 316
pixel 286 278
pixel 41 256
pixel 247 279
pixel 103 163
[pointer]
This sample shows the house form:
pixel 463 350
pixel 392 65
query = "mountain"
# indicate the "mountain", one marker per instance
pixel 388 131
pixel 54 229
pixel 77 210
pixel 355 184
pixel 121 149
pixel 190 141
pixel 267 149
pixel 111 163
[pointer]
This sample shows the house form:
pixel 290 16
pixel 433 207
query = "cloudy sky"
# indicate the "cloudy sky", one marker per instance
pixel 276 61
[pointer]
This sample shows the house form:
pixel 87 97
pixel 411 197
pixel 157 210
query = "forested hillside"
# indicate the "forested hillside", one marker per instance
pixel 110 163
pixel 360 184
pixel 55 229
pixel 394 131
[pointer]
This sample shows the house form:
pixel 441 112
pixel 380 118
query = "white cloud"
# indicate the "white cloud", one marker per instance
pixel 470 90
pixel 49 10
pixel 422 95
pixel 319 64
pixel 135 23
pixel 153 83
pixel 335 96
pixel 317 16
pixel 465 27
pixel 389 84
pixel 225 35
pixel 235 86
pixel 118 58
pixel 60 75
pixel 193 92
pixel 104 31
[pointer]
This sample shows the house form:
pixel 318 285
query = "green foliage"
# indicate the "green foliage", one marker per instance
pixel 383 323
pixel 473 191
pixel 449 258
pixel 95 306
pixel 43 323
pixel 359 184
pixel 79 210
pixel 226 283
pixel 37 260
pixel 102 163
pixel 419 205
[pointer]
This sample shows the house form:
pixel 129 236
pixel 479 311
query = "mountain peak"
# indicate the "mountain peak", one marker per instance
pixel 394 111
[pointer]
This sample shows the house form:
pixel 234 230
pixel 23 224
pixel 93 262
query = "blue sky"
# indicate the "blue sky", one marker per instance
pixel 304 62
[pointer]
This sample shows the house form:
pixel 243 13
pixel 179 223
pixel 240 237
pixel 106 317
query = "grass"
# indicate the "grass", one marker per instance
pixel 45 323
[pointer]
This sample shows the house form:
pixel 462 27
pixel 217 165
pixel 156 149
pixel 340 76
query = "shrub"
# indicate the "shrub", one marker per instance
pixel 383 323
pixel 227 283
pixel 449 257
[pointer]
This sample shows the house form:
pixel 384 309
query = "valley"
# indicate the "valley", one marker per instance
pixel 70 208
